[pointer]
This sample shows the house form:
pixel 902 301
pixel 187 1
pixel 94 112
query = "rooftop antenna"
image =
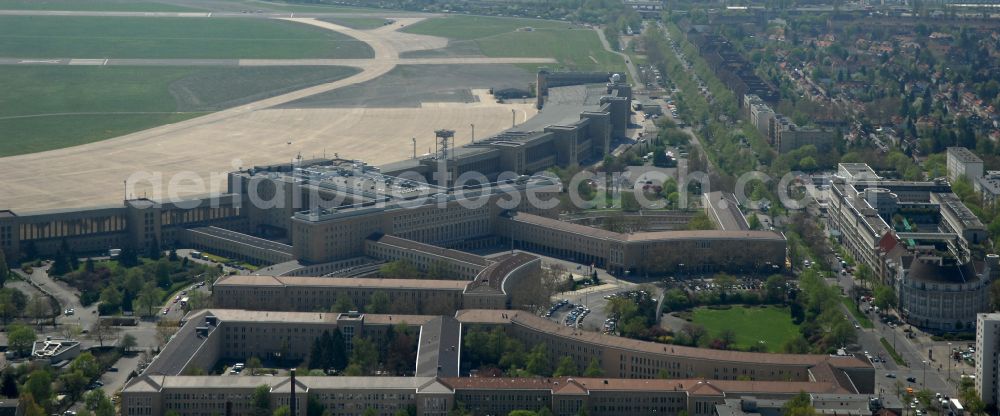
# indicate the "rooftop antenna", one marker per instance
pixel 414 147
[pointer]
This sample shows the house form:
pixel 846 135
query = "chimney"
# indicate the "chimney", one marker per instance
pixel 291 402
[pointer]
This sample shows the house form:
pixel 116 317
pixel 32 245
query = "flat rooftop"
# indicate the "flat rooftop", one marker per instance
pixel 431 249
pixel 366 282
pixel 645 236
pixel 570 385
pixel 964 155
pixel 564 105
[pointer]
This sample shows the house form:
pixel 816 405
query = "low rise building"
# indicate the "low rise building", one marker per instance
pixel 55 350
pixel 787 136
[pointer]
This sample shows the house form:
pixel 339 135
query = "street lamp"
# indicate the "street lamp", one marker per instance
pixel 923 383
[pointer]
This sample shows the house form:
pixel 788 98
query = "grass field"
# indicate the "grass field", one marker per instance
pixel 146 37
pixel 46 108
pixel 92 5
pixel 574 47
pixel 772 325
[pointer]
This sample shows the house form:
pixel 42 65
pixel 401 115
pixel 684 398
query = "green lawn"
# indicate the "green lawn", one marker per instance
pixel 153 6
pixel 165 37
pixel 575 47
pixel 773 325
pixel 92 5
pixel 478 27
pixel 44 108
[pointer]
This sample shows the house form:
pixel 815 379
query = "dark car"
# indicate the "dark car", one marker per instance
pixel 911 379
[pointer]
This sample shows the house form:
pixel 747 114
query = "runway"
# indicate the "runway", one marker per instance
pixel 250 14
pixel 358 63
pixel 206 147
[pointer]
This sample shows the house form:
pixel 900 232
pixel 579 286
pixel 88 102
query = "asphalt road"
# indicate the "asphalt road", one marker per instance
pixel 632 73
pixel 932 375
pixel 68 297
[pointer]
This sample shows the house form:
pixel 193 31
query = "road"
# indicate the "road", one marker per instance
pixel 930 374
pixel 68 297
pixel 632 73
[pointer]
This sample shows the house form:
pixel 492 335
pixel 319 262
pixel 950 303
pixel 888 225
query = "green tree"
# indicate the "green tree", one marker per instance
pixel 701 222
pixel 379 303
pixel 99 403
pixel 797 345
pixel 39 385
pixel 4 269
pixel 260 400
pixel 254 365
pixel 149 299
pixel 885 297
pixel 111 299
pixel 8 385
pixel 439 270
pixel 774 288
pixel 314 407
pixel 364 355
pixel 162 273
pixel 800 405
pixel 538 362
pixel 566 367
pixel 73 382
pixel 21 338
pixel 39 308
pixel 8 309
pixel 593 369
pixel 31 407
pixel 343 304
pixel 399 269
pixel 283 411
pixel 629 202
pixel 87 364
pixel 338 350
pixel 127 343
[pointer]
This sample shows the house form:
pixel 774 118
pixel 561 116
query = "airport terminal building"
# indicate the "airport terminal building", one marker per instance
pixel 336 216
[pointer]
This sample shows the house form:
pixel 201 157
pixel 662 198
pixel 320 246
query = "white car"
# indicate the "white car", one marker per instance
pixel 70 311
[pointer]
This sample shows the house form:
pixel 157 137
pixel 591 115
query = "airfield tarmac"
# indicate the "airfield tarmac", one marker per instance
pixel 260 133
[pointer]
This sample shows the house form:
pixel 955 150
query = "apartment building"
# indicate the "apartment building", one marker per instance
pixel 918 238
pixel 962 162
pixel 987 359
